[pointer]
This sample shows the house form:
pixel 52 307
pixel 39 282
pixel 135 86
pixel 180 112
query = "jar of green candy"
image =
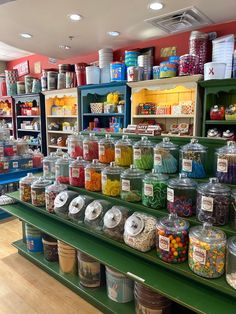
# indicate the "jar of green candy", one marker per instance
pixel 154 190
pixel 124 152
pixel 143 154
pixel 131 184
pixel 166 156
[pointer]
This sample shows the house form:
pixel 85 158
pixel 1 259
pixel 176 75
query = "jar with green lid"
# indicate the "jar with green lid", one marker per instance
pixel 193 159
pixel 154 190
pixel 206 256
pixel 93 176
pixel 90 147
pixel 166 155
pixel 213 202
pixel 51 192
pixel 124 152
pixel 181 196
pixel 172 239
pixel 143 154
pixel 226 163
pixel 95 212
pixel 106 149
pixel 111 180
pixel 131 184
pixel 231 262
pixel 232 219
pixel 77 207
pixel 62 169
pixel 75 145
pixel 49 166
pixel 25 187
pixel 38 188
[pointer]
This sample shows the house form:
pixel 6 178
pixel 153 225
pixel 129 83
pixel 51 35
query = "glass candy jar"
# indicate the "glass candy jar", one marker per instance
pixel 95 212
pixel 143 154
pixel 37 159
pixel 77 172
pixel 188 64
pixel 25 187
pixel 217 113
pixel 206 256
pixel 62 203
pixel 233 210
pixel 181 196
pixel 226 163
pixel 49 166
pixel 154 190
pixel 93 177
pixel 166 156
pixel 124 152
pixel 106 150
pixel 62 169
pixel 90 147
pixel 131 184
pixel 4 165
pixel 77 207
pixel 193 159
pixel 231 262
pixel 198 44
pixel 51 192
pixel 75 145
pixel 111 180
pixel 213 202
pixel 22 147
pixel 172 239
pixel 38 188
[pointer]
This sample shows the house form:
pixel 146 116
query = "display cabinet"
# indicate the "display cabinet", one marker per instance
pixel 7 114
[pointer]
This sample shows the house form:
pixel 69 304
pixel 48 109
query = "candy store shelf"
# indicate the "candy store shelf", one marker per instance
pixel 24 130
pixel 190 116
pixel 5 117
pixel 60 132
pixel 220 122
pixel 187 292
pixel 55 146
pixel 64 117
pixel 64 91
pixel 14 176
pixel 103 114
pixel 23 117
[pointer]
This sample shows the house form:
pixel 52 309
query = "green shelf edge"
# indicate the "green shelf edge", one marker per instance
pixel 97 297
pixel 219 122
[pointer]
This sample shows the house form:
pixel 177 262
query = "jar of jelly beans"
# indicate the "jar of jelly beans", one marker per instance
pixel 226 163
pixel 124 152
pixel 62 169
pixel 90 147
pixel 188 64
pixel 106 150
pixel 111 180
pixel 75 145
pixel 231 262
pixel 93 177
pixel 51 192
pixel 49 166
pixel 166 157
pixel 143 154
pixel 77 170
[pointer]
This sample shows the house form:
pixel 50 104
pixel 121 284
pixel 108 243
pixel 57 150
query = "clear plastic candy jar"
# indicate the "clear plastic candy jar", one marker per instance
pixel 90 147
pixel 77 172
pixel 93 176
pixel 22 147
pixel 181 196
pixel 51 192
pixel 62 169
pixel 37 159
pixel 4 165
pixel 114 222
pixel 25 187
pixel 233 210
pixel 206 256
pixel 188 64
pixel 95 212
pixel 166 155
pixel 213 202
pixel 231 262
pixel 49 166
pixel 111 180
pixel 172 239
pixel 124 152
pixel 198 45
pixel 226 163
pixel 131 184
pixel 106 149
pixel 62 202
pixel 154 190
pixel 75 145
pixel 143 154
pixel 77 207
pixel 140 231
pixel 38 188
pixel 192 159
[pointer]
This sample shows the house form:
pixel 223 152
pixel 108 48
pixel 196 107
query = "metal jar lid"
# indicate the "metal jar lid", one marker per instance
pixel 213 187
pixel 134 225
pixel 112 217
pixel 76 205
pixel 93 210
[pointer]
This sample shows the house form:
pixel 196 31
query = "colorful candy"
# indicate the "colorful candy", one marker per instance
pixel 90 147
pixel 166 157
pixel 111 180
pixel 38 192
pixel 188 64
pixel 124 152
pixel 25 187
pixel 143 154
pixel 226 163
pixel 106 150
pixel 75 146
pixel 76 172
pixel 62 169
pixel 93 177
pixel 51 193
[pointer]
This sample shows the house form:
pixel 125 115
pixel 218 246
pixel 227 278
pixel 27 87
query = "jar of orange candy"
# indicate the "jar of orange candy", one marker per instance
pixel 106 150
pixel 93 177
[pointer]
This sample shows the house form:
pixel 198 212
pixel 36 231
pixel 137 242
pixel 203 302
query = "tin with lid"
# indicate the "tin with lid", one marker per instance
pixel 226 163
pixel 38 188
pixel 25 187
pixel 166 156
pixel 77 207
pixel 90 147
pixel 143 154
pixel 111 180
pixel 106 149
pixel 93 176
pixel 51 192
pixel 231 262
pixel 124 152
pixel 77 172
pixel 95 212
pixel 62 202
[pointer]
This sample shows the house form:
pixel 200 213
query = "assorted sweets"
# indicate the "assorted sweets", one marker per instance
pixel 106 150
pixel 75 145
pixel 62 169
pixel 90 147
pixel 25 187
pixel 51 193
pixel 93 176
pixel 77 172
pixel 111 180
pixel 143 154
pixel 38 188
pixel 124 152
pixel 166 157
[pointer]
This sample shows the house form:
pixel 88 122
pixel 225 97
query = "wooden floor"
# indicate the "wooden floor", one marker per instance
pixel 26 289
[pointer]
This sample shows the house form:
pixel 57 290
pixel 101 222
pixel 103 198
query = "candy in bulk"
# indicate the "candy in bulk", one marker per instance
pixel 4 165
pixel 181 196
pixel 198 46
pixel 213 202
pixel 77 207
pixel 231 262
pixel 77 172
pixel 140 231
pixel 166 157
pixel 95 212
pixel 111 180
pixel 193 159
pixel 188 64
pixel 106 150
pixel 51 192
pixel 38 191
pixel 233 210
pixel 37 159
pixel 154 190
pixel 93 176
pixel 62 169
pixel 9 148
pixel 22 147
pixel 49 166
pixel 143 154
pixel 226 163
pixel 25 187
pixel 90 147
pixel 172 239
pixel 75 145
pixel 62 202
pixel 206 256
pixel 124 152
pixel 131 184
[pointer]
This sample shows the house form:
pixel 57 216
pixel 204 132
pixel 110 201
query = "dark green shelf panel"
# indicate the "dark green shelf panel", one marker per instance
pixel 218 83
pixel 97 297
pixel 219 122
pixel 189 293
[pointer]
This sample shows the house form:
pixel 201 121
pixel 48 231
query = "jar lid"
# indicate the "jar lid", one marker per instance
pixel 193 146
pixel 197 34
pixel 56 187
pixel 113 169
pixel 173 223
pixel 41 183
pixel 92 137
pixel 75 137
pixel 133 171
pixel 145 142
pixel 29 177
pixel 93 210
pixel 156 176
pixel 167 144
pixel 51 157
pixel 124 140
pixel 232 244
pixel 61 199
pixel 182 182
pixel 207 233
pixel 106 140
pixel 134 225
pixel 59 152
pixel 228 133
pixel 213 133
pixel 79 162
pixel 95 164
pixel 230 148
pixel 112 217
pixel 215 108
pixel 213 186
pixel 63 160
pixel 76 205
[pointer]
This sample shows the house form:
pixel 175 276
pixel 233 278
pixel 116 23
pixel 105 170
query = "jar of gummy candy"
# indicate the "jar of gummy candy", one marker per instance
pixel 106 150
pixel 111 180
pixel 166 156
pixel 90 147
pixel 75 145
pixel 93 177
pixel 77 172
pixel 198 44
pixel 124 152
pixel 143 154
pixel 62 169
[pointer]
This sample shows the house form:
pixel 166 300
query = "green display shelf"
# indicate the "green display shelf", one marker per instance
pixel 221 122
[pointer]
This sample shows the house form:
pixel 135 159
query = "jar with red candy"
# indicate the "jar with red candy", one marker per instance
pixel 198 46
pixel 37 159
pixel 10 148
pixel 75 145
pixel 188 64
pixel 90 147
pixel 172 239
pixel 62 169
pixel 77 172
pixel 217 113
pixel 4 165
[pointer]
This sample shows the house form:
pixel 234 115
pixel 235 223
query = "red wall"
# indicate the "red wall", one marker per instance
pixel 181 41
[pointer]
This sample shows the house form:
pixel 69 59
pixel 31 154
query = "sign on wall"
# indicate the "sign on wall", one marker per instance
pixel 22 68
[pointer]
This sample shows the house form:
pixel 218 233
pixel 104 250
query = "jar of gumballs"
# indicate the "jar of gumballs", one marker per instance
pixel 198 44
pixel 231 262
pixel 124 152
pixel 181 196
pixel 93 177
pixel 154 190
pixel 226 163
pixel 90 147
pixel 172 239
pixel 77 172
pixel 111 180
pixel 106 149
pixel 206 246
pixel 192 159
pixel 166 157
pixel 143 154
pixel 75 145
pixel 62 169
pixel 49 166
pixel 213 202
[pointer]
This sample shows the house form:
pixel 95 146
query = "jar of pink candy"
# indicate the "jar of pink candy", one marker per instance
pixel 198 46
pixel 188 65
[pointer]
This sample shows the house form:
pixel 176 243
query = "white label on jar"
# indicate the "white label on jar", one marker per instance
pixel 157 160
pixel 1 149
pixel 199 255
pixel 5 165
pixel 148 189
pixel 101 149
pixel 187 165
pixel 75 173
pixel 207 203
pixel 104 178
pixel 164 243
pixel 170 195
pixel 117 153
pixel 15 164
pixel 137 154
pixel 222 165
pixel 31 163
pixel 125 185
pixel 87 175
pixel 86 148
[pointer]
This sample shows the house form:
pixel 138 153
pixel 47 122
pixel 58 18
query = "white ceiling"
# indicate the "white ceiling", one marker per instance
pixel 8 53
pixel 47 21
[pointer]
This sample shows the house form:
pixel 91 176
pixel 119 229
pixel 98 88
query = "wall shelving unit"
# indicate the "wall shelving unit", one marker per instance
pixel 8 119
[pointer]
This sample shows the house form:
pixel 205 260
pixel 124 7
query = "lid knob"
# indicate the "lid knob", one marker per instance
pixel 166 140
pixel 144 138
pixel 213 180
pixel 125 137
pixel 79 158
pixel 183 175
pixel 112 164
pixel 108 136
pixel 194 141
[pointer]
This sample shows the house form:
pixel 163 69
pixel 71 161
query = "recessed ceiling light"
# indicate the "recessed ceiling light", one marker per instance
pixel 65 47
pixel 75 17
pixel 113 33
pixel 156 6
pixel 26 35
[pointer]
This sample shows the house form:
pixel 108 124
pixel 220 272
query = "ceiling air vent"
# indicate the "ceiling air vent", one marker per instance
pixel 5 1
pixel 179 21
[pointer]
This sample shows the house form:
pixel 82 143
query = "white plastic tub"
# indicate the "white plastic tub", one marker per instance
pixel 214 70
pixel 92 75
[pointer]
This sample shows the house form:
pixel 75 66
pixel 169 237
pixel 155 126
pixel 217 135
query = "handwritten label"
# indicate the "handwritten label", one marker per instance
pixel 157 160
pixel 125 185
pixel 148 189
pixel 117 153
pixel 137 154
pixel 222 165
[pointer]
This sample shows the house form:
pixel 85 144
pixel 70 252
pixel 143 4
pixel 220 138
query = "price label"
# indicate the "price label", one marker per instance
pixel 164 243
pixel 222 165
pixel 148 189
pixel 207 203
pixel 75 172
pixel 86 148
pixel 125 185
pixel 187 165
pixel 199 255
pixel 117 153
pixel 170 195
pixel 137 154
pixel 157 160
pixel 101 149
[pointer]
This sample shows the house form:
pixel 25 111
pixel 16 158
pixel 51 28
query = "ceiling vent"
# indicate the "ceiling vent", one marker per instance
pixel 5 1
pixel 179 21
